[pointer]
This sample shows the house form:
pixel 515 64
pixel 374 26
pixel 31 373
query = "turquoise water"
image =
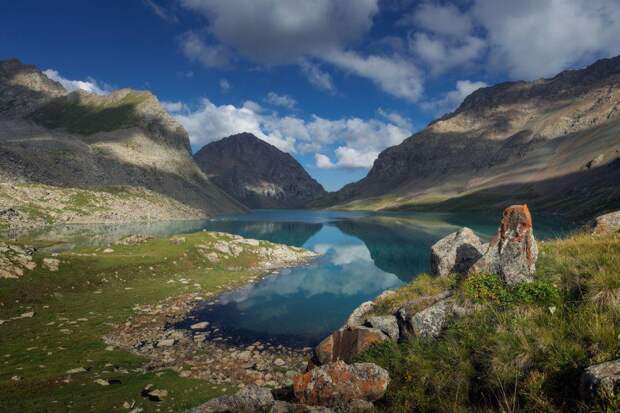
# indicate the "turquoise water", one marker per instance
pixel 364 254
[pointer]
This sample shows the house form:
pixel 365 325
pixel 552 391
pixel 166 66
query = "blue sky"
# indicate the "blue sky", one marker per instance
pixel 332 82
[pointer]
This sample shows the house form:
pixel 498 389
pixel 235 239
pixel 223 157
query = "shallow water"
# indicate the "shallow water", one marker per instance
pixel 364 254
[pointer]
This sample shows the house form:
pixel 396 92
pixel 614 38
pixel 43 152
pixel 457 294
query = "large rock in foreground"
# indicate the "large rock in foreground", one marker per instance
pixel 605 224
pixel 513 252
pixel 456 252
pixel 346 343
pixel 601 382
pixel 339 382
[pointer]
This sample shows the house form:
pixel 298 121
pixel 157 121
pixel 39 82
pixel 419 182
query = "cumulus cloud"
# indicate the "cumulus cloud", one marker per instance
pixel 357 141
pixel 197 49
pixel 89 85
pixel 440 19
pixel 443 54
pixel 281 100
pixel 532 38
pixel 451 100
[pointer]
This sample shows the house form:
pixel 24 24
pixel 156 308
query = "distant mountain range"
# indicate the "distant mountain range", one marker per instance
pixel 553 143
pixel 258 174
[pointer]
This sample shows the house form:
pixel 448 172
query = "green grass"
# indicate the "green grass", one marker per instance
pixel 87 296
pixel 520 350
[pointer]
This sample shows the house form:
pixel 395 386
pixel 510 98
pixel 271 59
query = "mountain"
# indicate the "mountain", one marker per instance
pixel 257 174
pixel 81 157
pixel 554 143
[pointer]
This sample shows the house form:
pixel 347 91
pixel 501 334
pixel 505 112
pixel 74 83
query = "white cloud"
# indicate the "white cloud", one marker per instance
pixel 317 77
pixel 89 85
pixel 443 54
pixel 224 85
pixel 439 19
pixel 395 118
pixel 395 75
pixel 175 107
pixel 195 48
pixel 161 12
pixel 532 38
pixel 281 100
pixel 451 100
pixel 357 141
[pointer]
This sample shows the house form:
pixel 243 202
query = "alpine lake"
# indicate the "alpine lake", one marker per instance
pixel 362 255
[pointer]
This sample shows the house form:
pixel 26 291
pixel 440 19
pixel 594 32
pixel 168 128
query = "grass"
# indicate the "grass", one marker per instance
pixel 77 305
pixel 521 350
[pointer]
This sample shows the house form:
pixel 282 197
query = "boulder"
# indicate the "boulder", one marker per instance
pixel 358 316
pixel 339 382
pixel 346 343
pixel 601 382
pixel 385 323
pixel 249 399
pixel 428 322
pixel 513 252
pixel 456 253
pixel 605 224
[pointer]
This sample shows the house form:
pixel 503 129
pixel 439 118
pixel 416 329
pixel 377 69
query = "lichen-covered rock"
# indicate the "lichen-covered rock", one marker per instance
pixel 250 399
pixel 428 322
pixel 386 323
pixel 601 382
pixel 513 252
pixel 346 343
pixel 605 224
pixel 358 316
pixel 339 382
pixel 456 252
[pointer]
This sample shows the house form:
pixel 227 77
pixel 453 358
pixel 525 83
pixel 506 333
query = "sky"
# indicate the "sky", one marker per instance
pixel 333 82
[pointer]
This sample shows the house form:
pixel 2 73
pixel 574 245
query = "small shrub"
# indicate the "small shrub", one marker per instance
pixel 482 288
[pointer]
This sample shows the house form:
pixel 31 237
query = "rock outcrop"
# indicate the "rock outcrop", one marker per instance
pixel 517 142
pixel 15 260
pixel 339 382
pixel 121 142
pixel 513 252
pixel 456 253
pixel 601 382
pixel 257 174
pixel 430 321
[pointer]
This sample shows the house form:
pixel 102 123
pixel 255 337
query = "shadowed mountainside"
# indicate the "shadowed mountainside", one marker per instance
pixel 257 174
pixel 551 142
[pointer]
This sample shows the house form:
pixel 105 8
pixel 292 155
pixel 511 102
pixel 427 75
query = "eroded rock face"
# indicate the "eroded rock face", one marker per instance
pixel 346 343
pixel 339 382
pixel 456 252
pixel 605 224
pixel 601 382
pixel 513 252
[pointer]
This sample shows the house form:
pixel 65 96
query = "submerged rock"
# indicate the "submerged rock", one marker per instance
pixel 339 382
pixel 601 382
pixel 346 343
pixel 456 252
pixel 513 252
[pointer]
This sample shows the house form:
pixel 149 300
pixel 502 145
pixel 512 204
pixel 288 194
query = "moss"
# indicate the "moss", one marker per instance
pixel 522 349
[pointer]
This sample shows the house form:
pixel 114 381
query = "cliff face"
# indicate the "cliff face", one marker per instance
pixel 82 140
pixel 257 174
pixel 552 142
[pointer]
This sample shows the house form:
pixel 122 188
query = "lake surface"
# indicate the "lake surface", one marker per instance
pixel 363 254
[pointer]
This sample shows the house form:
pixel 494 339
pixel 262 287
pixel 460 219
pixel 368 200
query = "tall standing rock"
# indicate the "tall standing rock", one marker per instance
pixel 513 252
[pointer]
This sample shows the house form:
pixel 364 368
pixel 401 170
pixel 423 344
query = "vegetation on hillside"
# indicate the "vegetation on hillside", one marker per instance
pixel 520 350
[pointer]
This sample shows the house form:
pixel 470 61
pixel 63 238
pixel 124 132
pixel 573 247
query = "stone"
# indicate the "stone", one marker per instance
pixel 456 253
pixel 430 321
pixel 249 399
pixel 76 370
pixel 604 224
pixel 102 382
pixel 169 342
pixel 108 251
pixel 346 343
pixel 601 382
pixel 339 382
pixel 386 323
pixel 279 362
pixel 51 264
pixel 200 326
pixel 513 252
pixel 358 316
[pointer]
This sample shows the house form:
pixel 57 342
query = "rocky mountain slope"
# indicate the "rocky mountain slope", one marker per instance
pixel 257 174
pixel 553 143
pixel 123 144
